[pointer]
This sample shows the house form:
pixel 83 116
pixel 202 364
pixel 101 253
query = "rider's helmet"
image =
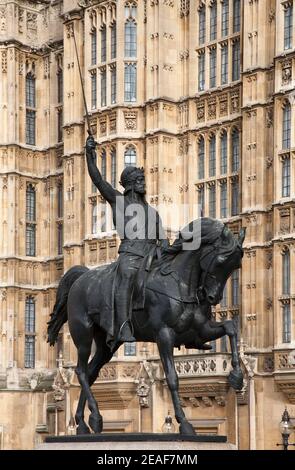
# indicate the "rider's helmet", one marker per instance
pixel 129 176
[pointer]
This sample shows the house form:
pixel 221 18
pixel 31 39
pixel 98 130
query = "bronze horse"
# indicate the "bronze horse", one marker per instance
pixel 179 292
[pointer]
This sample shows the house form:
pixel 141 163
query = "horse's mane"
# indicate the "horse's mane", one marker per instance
pixel 210 231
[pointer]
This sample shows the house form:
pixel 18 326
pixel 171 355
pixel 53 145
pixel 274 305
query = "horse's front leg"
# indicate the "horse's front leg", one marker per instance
pixel 236 375
pixel 214 330
pixel 165 342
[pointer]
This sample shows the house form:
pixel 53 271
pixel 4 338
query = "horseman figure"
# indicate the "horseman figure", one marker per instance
pixel 140 229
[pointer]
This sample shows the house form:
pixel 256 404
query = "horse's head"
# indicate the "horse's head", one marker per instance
pixel 218 261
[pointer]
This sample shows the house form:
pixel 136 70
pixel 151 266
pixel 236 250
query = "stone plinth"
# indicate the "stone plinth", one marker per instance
pixel 105 442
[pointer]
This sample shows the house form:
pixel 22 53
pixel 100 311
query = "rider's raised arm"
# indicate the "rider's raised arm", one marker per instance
pixel 106 189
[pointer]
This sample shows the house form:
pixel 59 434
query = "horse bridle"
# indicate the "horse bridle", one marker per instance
pixel 216 247
pixel 201 289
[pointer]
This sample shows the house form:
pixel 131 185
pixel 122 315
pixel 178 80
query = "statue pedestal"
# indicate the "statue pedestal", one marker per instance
pixel 125 441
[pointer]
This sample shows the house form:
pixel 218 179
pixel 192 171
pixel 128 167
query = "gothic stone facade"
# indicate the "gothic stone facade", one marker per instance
pixel 201 94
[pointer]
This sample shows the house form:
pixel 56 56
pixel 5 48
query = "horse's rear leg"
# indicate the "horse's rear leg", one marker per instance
pixel 101 357
pixel 165 342
pixel 82 372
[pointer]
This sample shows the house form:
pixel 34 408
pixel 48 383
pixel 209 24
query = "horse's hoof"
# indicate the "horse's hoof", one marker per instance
pixel 96 424
pixel 235 379
pixel 187 429
pixel 82 429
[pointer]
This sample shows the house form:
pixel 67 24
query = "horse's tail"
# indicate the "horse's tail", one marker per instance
pixel 59 315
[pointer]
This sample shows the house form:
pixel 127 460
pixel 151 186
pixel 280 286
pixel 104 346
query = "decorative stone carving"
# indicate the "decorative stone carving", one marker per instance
pixel 142 392
pixel 269 117
pixel 108 372
pixel 285 221
pixel 4 61
pixel 46 66
pixel 200 111
pixel 130 372
pixel 184 8
pixel 269 162
pixel 183 145
pixel 21 64
pixel 93 126
pixel 286 72
pixel 169 3
pixel 212 108
pixel 235 101
pixel 268 259
pixel 223 105
pixel 202 366
pixel 21 20
pixel 283 361
pixel 268 364
pixel 113 123
pixel 130 120
pixel 31 24
pixel 103 126
pixel 2 18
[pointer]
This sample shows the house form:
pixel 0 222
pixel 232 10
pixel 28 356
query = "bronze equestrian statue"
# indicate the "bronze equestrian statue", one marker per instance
pixel 180 289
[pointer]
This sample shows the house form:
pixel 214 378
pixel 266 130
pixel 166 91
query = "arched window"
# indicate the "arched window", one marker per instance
pixel 202 25
pixel 130 157
pixel 213 67
pixel 287 126
pixel 224 18
pixel 286 323
pixel 30 221
pixel 212 156
pixel 114 168
pixel 60 201
pixel 237 16
pixel 103 217
pixel 235 198
pixel 94 218
pixel 201 200
pixel 30 91
pixel 235 150
pixel 236 60
pixel 201 158
pixel 60 86
pixel 30 109
pixel 103 43
pixel 93 90
pixel 223 200
pixel 103 88
pixel 224 64
pixel 130 30
pixel 104 164
pixel 30 333
pixel 130 83
pixel 235 293
pixel 286 272
pixel 93 47
pixel 60 238
pixel 30 203
pixel 201 75
pixel 213 21
pixel 288 26
pixel 130 38
pixel 113 85
pixel 223 154
pixel 286 177
pixel 114 40
pixel 212 202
